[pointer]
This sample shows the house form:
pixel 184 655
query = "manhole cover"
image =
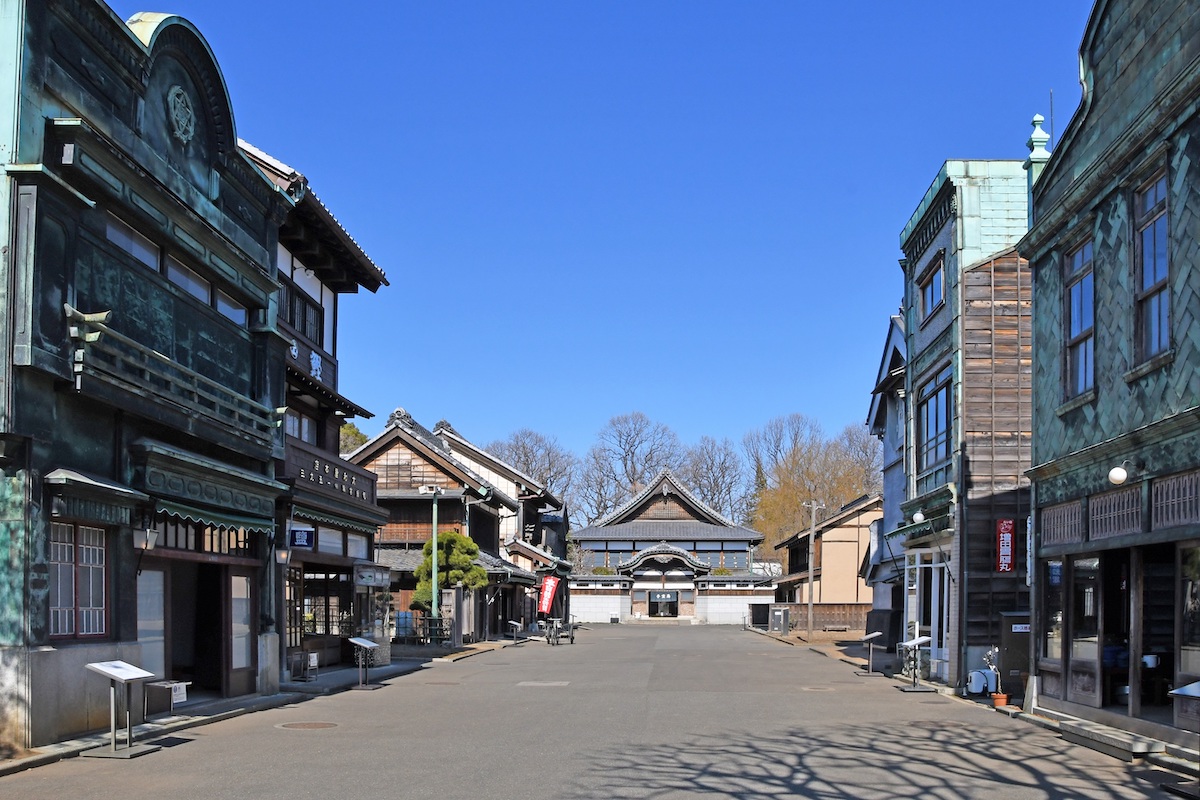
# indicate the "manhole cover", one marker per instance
pixel 307 726
pixel 816 688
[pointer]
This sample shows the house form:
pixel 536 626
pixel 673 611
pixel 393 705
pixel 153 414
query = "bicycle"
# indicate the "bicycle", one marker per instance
pixel 552 629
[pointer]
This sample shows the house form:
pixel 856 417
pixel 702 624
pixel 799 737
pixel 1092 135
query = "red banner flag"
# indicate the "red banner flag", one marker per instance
pixel 549 586
pixel 1006 545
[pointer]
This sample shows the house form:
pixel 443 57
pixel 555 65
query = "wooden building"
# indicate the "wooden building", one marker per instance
pixel 967 309
pixel 139 370
pixel 883 569
pixel 530 539
pixel 839 545
pixel 420 480
pixel 666 554
pixel 327 519
pixel 1113 245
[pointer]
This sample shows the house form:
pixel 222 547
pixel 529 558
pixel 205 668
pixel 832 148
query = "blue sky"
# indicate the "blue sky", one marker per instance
pixel 689 209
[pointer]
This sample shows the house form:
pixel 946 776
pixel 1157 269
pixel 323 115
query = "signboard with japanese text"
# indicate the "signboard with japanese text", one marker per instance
pixel 1006 545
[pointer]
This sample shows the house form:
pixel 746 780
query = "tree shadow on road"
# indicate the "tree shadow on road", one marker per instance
pixel 926 759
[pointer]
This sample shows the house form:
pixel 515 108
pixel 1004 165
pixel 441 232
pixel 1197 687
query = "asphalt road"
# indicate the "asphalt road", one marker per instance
pixel 628 711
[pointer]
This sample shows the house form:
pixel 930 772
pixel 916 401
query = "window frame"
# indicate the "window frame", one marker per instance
pixel 940 385
pixel 932 289
pixel 76 567
pixel 1079 272
pixel 1153 300
pixel 304 314
pixel 175 270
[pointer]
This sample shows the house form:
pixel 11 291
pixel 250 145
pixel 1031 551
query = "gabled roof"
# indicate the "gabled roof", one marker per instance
pixel 403 431
pixel 312 226
pixel 707 524
pixel 851 509
pixel 890 375
pixel 663 553
pixel 530 488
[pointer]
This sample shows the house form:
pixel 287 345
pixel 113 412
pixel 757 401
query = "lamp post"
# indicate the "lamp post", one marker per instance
pixel 815 505
pixel 435 491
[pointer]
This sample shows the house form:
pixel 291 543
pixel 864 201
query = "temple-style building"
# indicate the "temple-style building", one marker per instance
pixel 666 555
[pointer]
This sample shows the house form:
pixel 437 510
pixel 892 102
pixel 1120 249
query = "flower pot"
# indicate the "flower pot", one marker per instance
pixel 999 699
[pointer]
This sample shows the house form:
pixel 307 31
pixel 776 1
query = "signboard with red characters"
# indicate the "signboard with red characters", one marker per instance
pixel 549 586
pixel 1006 545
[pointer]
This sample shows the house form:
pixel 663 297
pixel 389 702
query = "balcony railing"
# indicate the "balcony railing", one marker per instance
pixel 109 356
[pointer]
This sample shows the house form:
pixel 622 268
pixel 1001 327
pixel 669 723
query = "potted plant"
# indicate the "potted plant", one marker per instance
pixel 991 660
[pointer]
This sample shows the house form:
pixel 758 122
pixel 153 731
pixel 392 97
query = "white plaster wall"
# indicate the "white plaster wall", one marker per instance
pixel 598 608
pixel 723 610
pixel 71 699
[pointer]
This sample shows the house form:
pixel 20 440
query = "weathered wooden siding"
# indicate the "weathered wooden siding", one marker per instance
pixel 996 419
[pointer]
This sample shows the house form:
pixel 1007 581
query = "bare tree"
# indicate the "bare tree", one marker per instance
pixel 630 450
pixel 794 463
pixel 541 458
pixel 716 472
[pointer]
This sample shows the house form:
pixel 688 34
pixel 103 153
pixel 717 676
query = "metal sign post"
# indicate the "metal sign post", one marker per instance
pixel 364 653
pixel 913 658
pixel 869 640
pixel 126 675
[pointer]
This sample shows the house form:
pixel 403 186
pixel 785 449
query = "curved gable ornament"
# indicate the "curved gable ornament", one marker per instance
pixel 187 117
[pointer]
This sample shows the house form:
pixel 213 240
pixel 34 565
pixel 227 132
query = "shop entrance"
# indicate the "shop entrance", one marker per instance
pixel 664 604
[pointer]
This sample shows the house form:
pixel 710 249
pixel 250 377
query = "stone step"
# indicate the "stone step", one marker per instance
pixel 1110 741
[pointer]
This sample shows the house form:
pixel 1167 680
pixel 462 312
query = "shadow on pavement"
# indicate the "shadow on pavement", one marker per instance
pixel 933 759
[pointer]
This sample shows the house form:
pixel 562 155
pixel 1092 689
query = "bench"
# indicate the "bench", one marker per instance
pixel 842 628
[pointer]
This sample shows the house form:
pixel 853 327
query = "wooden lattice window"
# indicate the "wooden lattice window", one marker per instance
pixel 1115 513
pixel 1175 500
pixel 1063 523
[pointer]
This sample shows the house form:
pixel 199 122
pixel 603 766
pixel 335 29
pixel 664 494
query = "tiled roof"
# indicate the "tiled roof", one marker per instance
pixel 667 530
pixel 399 559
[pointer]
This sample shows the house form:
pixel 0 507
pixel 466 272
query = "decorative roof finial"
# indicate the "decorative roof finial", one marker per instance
pixel 1038 154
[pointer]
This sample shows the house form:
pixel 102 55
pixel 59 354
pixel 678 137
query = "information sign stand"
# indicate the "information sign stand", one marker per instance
pixel 912 654
pixel 126 675
pixel 364 654
pixel 869 640
pixel 1192 690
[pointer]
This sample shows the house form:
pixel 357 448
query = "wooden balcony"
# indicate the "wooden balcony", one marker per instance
pixel 130 375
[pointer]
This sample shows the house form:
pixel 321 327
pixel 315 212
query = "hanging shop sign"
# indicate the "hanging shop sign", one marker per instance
pixel 1006 545
pixel 549 587
pixel 300 537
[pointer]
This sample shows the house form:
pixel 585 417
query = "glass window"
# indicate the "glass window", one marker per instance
pixel 356 545
pixel 1085 608
pixel 735 560
pixel 1080 322
pixel 231 308
pixel 189 280
pixel 300 426
pixel 301 312
pixel 133 243
pixel 933 291
pixel 1189 642
pixel 329 541
pixel 933 420
pixel 78 580
pixel 1052 612
pixel 1153 298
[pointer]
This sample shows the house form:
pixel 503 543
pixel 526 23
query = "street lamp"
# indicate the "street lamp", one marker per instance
pixel 815 505
pixel 435 491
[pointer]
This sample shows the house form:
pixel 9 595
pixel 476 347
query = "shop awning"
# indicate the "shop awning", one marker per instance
pixel 216 519
pixel 336 521
pixel 81 481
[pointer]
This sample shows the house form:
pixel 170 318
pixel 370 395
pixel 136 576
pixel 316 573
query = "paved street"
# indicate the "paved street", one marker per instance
pixel 629 711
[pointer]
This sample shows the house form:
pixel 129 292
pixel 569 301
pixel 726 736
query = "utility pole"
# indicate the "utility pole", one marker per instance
pixel 815 505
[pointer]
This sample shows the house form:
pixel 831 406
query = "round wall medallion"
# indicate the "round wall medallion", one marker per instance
pixel 180 114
